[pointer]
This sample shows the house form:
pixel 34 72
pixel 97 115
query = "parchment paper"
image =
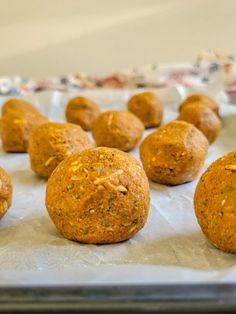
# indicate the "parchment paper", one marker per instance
pixel 169 249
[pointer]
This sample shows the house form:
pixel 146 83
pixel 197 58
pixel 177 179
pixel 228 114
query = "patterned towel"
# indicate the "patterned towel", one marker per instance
pixel 211 70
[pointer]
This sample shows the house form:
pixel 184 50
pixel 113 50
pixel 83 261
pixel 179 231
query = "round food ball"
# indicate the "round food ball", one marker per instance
pixel 214 203
pixel 203 118
pixel 52 142
pixel 18 104
pixel 204 99
pixel 118 129
pixel 82 111
pixel 148 108
pixel 5 192
pixel 100 195
pixel 174 154
pixel 18 120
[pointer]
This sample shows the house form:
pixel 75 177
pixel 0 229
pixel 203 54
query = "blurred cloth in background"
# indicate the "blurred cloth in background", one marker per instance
pixel 212 73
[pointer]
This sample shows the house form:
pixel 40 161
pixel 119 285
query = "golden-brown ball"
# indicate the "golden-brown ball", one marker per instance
pixel 203 118
pixel 19 118
pixel 18 104
pixel 100 195
pixel 5 192
pixel 147 107
pixel 82 111
pixel 214 202
pixel 174 154
pixel 52 142
pixel 118 129
pixel 204 99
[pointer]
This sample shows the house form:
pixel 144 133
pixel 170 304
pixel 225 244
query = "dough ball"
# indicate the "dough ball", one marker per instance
pixel 174 154
pixel 19 118
pixel 17 104
pixel 82 111
pixel 118 129
pixel 148 108
pixel 5 192
pixel 52 142
pixel 203 118
pixel 204 99
pixel 100 195
pixel 214 203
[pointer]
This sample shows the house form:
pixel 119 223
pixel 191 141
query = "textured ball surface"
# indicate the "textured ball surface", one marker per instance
pixel 203 99
pixel 82 111
pixel 203 118
pixel 19 118
pixel 117 129
pixel 214 202
pixel 174 154
pixel 52 142
pixel 100 195
pixel 5 192
pixel 148 108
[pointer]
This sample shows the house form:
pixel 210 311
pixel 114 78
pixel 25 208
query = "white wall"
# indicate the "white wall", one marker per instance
pixel 49 37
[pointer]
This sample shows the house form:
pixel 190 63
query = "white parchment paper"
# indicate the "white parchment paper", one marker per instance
pixel 169 249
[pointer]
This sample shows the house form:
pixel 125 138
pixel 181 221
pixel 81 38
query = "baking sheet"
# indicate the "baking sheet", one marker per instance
pixel 169 249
